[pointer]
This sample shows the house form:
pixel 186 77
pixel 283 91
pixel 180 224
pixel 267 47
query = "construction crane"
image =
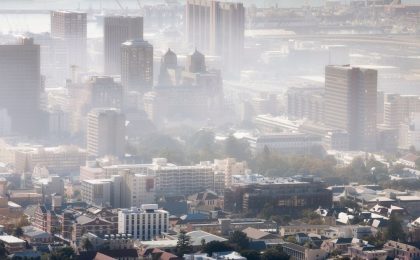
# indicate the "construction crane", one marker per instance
pixel 119 4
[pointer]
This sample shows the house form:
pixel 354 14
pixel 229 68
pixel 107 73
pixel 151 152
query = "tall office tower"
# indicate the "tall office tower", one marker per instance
pixel 217 27
pixel 20 86
pixel 105 132
pixel 117 30
pixel 136 65
pixel 350 103
pixel 71 28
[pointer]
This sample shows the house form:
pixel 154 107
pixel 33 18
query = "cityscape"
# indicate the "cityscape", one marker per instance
pixel 209 129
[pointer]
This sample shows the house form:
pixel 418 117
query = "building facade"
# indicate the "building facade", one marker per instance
pixel 143 223
pixel 21 87
pixel 217 27
pixel 350 102
pixel 136 65
pixel 71 28
pixel 106 132
pixel 117 30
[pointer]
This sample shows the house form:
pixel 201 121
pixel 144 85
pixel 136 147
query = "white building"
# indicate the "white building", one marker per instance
pixel 25 156
pixel 229 167
pixel 410 133
pixel 126 190
pixel 168 178
pixel 97 192
pixel 181 180
pixel 284 142
pixel 143 223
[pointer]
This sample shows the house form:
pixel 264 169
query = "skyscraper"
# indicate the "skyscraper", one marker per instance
pixel 217 27
pixel 20 86
pixel 136 65
pixel 106 132
pixel 71 28
pixel 117 30
pixel 350 103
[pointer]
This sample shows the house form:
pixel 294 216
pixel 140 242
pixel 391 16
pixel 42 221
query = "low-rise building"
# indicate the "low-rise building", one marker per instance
pixel 368 253
pixel 298 252
pixel 401 251
pixel 13 244
pixel 294 143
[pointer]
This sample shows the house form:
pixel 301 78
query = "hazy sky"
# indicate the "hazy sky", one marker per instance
pixel 55 4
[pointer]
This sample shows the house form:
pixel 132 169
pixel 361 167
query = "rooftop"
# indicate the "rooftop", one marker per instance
pixel 11 239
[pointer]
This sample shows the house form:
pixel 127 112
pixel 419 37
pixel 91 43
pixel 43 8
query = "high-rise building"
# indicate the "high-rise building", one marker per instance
pixel 20 86
pixel 117 30
pixel 350 103
pixel 217 27
pixel 71 28
pixel 106 132
pixel 143 223
pixel 136 65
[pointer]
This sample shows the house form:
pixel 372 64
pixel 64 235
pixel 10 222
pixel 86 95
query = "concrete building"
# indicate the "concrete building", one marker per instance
pixel 117 30
pixel 136 65
pixel 284 142
pixel 229 167
pixel 351 96
pixel 409 134
pixel 160 177
pixel 106 132
pixel 97 192
pixel 217 27
pixel 58 160
pixel 298 252
pixel 71 28
pixel 128 189
pixel 21 87
pixel 398 109
pixel 137 189
pixel 192 92
pixel 96 92
pixel 290 195
pixel 181 180
pixel 13 244
pixel 306 102
pixel 143 223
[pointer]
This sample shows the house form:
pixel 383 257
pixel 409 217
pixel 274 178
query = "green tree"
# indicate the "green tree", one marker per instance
pixel 18 232
pixel 3 252
pixel 183 245
pixel 239 239
pixel 65 253
pixel 216 246
pixel 86 244
pixel 238 149
pixel 395 230
pixel 274 254
pixel 251 254
pixel 202 146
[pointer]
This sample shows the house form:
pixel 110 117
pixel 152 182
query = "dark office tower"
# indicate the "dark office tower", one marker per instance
pixel 117 30
pixel 196 62
pixel 136 65
pixel 350 103
pixel 20 85
pixel 169 61
pixel 71 28
pixel 217 27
